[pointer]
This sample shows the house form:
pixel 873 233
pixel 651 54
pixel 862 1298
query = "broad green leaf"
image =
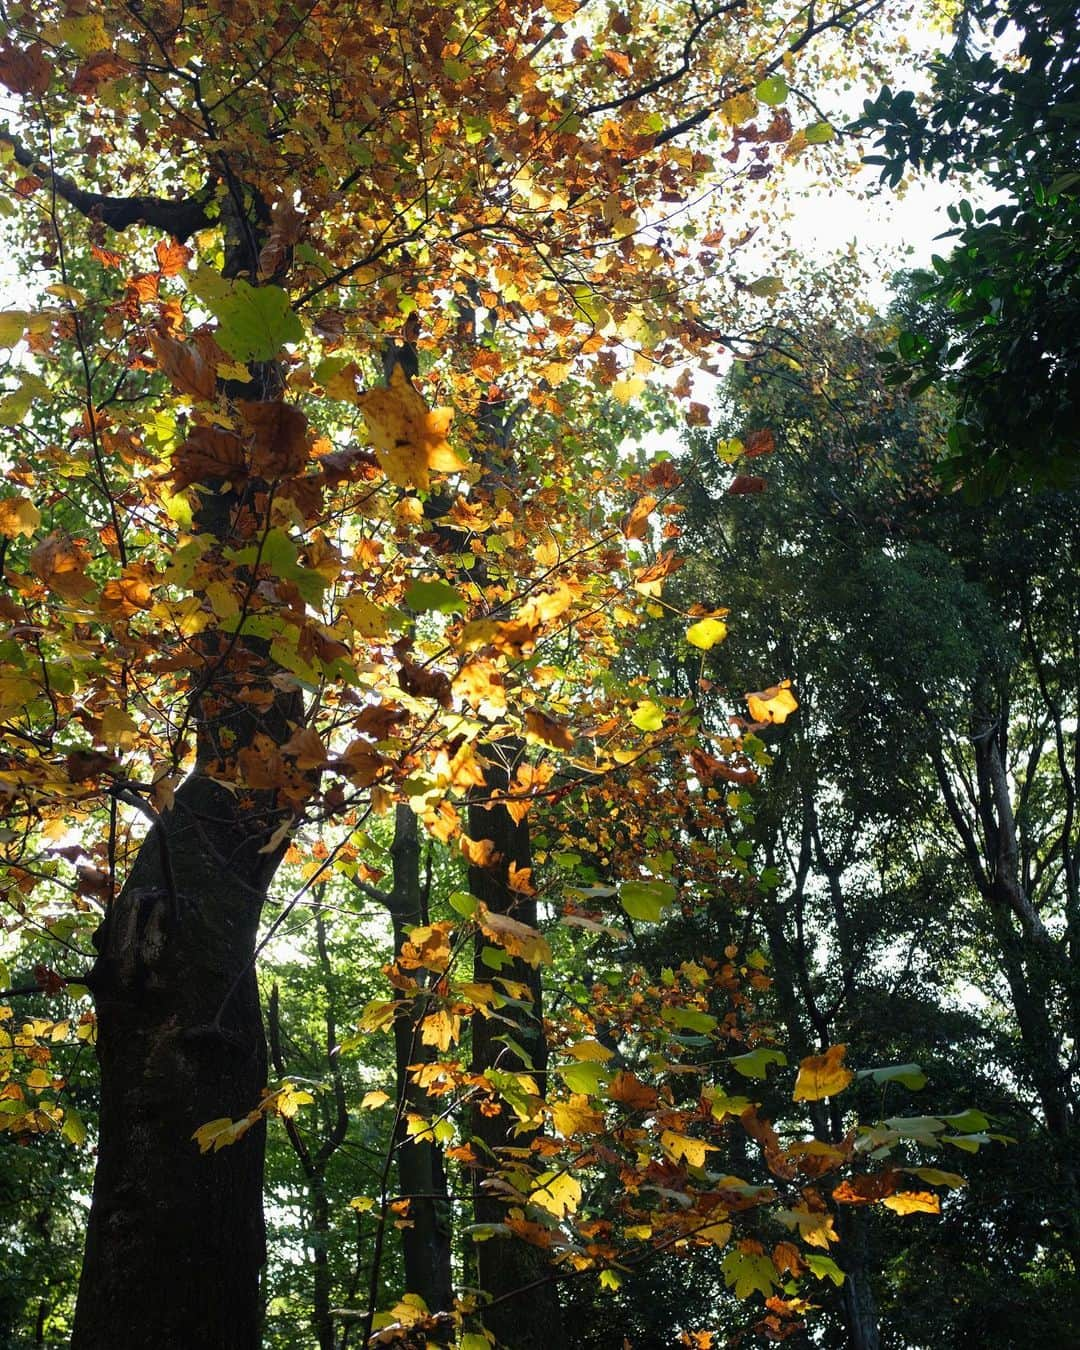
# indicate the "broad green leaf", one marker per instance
pixel 911 1075
pixel 755 1063
pixel 74 1131
pixel 255 321
pixel 818 133
pixel 748 1273
pixel 645 900
pixel 690 1018
pixel 968 1122
pixel 583 1076
pixel 773 90
pixel 437 595
pixel 824 1267
pixel 766 287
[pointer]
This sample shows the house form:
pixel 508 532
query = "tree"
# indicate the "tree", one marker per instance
pixel 268 595
pixel 906 868
pixel 1003 106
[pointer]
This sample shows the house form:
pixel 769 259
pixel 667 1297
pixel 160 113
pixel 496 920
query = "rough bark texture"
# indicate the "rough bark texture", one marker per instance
pixel 175 1239
pixel 530 1319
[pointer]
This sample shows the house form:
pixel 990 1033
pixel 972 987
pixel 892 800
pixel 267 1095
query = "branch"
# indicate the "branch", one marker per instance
pixel 179 218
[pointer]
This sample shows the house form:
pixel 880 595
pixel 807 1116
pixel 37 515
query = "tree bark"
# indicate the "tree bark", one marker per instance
pixel 175 1239
pixel 421 1176
pixel 513 1274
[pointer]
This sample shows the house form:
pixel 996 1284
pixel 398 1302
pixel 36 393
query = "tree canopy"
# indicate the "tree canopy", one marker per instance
pixel 423 921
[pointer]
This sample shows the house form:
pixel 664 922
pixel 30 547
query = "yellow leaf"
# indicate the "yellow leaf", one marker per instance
pixel 408 436
pixel 774 704
pixel 118 731
pixel 716 1233
pixel 589 1049
pixel 680 1147
pixel 557 1193
pixel 822 1075
pixel 372 1100
pixel 576 1117
pixel 516 937
pixel 625 391
pixel 441 1029
pixel 706 633
pixel 18 515
pixel 913 1202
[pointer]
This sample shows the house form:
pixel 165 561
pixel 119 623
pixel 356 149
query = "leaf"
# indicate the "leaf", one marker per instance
pixel 576 1117
pixel 184 366
pixel 689 1018
pixel 775 704
pixel 934 1176
pixel 625 391
pixel 371 1101
pixel 590 1051
pixel 13 324
pixel 584 1077
pixel 255 321
pixel 968 1122
pixel 706 633
pixel 74 1131
pixel 648 716
pixel 818 133
pixel 765 288
pixel 824 1267
pixel 755 1063
pixel 773 90
pixel 409 438
pixel 646 900
pixel 60 562
pixel 913 1202
pixel 558 1193
pixel 18 516
pixel 822 1075
pixel 684 1148
pixel 516 937
pixel 748 1273
pixel 911 1075
pixel 434 595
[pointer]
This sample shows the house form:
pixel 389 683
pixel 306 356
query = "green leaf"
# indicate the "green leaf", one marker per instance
pixel 773 90
pixel 74 1131
pixel 911 1075
pixel 824 1267
pixel 755 1063
pixel 819 133
pixel 968 1122
pixel 645 900
pixel 461 902
pixel 256 321
pixel 766 287
pixel 748 1273
pixel 583 1075
pixel 689 1017
pixel 437 595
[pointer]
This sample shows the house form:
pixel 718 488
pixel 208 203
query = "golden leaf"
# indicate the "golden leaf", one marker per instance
pixel 408 436
pixel 774 704
pixel 822 1075
pixel 913 1202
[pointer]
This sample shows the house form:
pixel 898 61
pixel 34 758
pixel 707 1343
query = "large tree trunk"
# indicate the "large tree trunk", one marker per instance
pixel 175 1239
pixel 515 1276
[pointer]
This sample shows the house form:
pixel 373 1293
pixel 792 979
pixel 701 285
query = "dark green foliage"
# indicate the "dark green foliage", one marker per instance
pixel 1010 288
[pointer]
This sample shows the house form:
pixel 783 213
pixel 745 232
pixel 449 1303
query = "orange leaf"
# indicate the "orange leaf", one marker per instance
pixel 913 1202
pixel 822 1075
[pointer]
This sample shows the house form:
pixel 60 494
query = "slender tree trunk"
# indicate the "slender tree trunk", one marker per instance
pixel 421 1176
pixel 526 1313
